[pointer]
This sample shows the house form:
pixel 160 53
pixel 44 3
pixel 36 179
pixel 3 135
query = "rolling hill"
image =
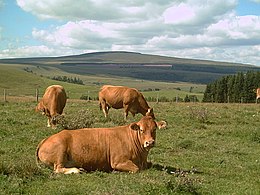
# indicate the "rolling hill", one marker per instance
pixel 137 66
pixel 22 81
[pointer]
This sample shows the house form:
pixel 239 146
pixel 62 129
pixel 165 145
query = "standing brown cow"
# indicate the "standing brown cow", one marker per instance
pixel 257 94
pixel 52 103
pixel 123 97
pixel 123 148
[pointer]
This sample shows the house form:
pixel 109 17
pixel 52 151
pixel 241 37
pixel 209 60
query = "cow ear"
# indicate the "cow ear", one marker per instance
pixel 161 124
pixel 135 127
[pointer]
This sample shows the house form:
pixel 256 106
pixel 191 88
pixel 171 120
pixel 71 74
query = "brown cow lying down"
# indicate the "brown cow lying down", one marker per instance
pixel 52 103
pixel 123 97
pixel 123 148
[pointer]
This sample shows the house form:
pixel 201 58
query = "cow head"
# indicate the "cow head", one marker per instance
pixel 40 108
pixel 146 129
pixel 150 113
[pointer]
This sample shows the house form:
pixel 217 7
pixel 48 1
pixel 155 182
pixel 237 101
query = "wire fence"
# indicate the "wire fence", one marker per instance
pixel 35 95
pixel 7 96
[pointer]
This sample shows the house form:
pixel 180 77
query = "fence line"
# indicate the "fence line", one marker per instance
pixel 37 95
pixel 157 98
pixel 5 95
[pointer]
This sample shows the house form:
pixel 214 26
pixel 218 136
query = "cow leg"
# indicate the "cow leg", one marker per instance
pixel 127 166
pixel 49 122
pixel 105 111
pixel 105 108
pixel 61 161
pixel 133 114
pixel 126 108
pixel 54 122
pixel 125 116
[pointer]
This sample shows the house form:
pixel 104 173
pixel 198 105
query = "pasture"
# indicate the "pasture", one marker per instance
pixel 206 149
pixel 22 83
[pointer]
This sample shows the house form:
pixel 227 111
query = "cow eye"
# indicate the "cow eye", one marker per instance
pixel 141 130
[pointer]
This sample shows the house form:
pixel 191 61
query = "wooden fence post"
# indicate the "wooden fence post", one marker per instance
pixel 4 95
pixel 37 95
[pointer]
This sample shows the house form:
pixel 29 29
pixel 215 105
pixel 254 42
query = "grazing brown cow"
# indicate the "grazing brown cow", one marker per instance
pixel 257 94
pixel 123 97
pixel 123 148
pixel 52 103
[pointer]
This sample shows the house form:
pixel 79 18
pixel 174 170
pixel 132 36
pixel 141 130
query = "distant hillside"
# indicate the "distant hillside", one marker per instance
pixel 18 82
pixel 139 66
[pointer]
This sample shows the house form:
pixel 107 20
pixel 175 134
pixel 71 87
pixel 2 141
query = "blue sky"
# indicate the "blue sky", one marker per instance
pixel 202 29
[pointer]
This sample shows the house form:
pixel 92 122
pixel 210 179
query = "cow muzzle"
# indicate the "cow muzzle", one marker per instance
pixel 149 144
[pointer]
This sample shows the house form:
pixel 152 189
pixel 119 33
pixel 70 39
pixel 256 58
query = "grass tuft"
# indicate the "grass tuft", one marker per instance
pixel 81 119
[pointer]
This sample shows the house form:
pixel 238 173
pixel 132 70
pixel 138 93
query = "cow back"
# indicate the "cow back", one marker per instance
pixel 54 99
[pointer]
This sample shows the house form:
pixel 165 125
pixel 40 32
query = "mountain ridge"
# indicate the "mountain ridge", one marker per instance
pixel 139 66
pixel 103 55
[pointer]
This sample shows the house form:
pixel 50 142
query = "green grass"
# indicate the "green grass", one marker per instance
pixel 18 82
pixel 206 149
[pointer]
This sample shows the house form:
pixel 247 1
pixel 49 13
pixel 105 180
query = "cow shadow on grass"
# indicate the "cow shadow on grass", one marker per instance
pixel 175 171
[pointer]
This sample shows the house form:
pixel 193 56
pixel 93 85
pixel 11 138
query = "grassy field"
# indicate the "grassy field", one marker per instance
pixel 206 149
pixel 18 82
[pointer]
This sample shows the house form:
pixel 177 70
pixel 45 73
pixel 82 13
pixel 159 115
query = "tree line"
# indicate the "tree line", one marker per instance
pixel 68 79
pixel 239 88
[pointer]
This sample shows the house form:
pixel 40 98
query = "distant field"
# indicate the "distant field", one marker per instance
pixel 206 149
pixel 17 82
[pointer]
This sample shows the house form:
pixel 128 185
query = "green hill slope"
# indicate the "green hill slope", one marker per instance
pixel 18 82
pixel 24 79
pixel 138 66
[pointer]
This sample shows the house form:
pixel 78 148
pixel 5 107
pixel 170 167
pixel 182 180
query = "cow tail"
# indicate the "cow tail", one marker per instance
pixel 38 161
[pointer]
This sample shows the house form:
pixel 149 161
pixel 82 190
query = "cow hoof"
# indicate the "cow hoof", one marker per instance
pixel 72 170
pixel 82 170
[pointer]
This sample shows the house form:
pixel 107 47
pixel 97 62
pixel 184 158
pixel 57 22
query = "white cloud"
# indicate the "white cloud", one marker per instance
pixel 197 12
pixel 237 30
pixel 191 28
pixel 77 35
pixel 175 14
pixel 102 10
pixel 40 50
